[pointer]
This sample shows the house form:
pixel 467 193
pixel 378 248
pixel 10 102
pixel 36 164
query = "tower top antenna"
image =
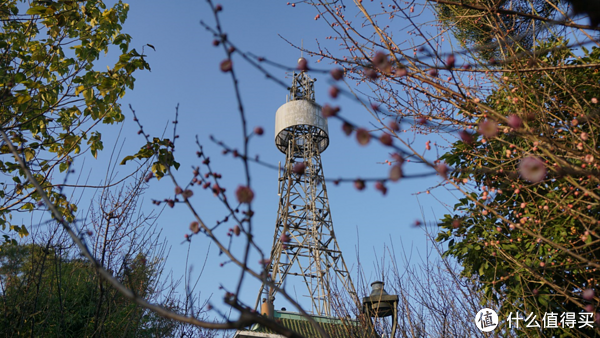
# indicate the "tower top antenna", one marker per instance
pixel 301 59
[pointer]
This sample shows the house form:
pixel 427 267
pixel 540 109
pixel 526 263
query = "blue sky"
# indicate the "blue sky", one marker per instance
pixel 185 72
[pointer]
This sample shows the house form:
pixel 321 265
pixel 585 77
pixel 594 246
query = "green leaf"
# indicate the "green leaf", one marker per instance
pixel 29 154
pixel 63 166
pixel 159 170
pixel 126 159
pixel 36 10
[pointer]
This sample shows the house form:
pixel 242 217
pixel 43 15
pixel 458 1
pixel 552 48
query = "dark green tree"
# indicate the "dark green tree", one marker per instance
pixel 498 29
pixel 47 294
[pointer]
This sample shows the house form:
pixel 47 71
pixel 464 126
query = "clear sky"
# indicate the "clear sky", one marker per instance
pixel 185 72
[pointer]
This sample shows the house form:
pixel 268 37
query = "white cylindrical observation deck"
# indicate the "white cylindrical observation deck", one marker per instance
pixel 299 119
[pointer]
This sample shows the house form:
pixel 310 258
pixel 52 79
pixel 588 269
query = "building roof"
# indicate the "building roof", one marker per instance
pixel 335 327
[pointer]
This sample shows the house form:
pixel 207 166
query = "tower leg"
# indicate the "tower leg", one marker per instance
pixel 304 244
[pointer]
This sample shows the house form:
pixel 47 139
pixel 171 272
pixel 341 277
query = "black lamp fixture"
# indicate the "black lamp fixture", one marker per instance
pixel 380 304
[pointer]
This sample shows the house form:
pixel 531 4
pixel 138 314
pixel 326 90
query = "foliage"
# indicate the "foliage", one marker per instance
pixel 533 246
pixel 52 93
pixel 482 24
pixel 526 226
pixel 47 294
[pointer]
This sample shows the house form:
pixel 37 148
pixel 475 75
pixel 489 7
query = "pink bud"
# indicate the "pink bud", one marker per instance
pixel 337 74
pixel 394 126
pixel 396 173
pixel 488 128
pixel 363 136
pixel 299 168
pixel 334 91
pixel 386 139
pixel 226 65
pixel 259 131
pixel 532 169
pixel 456 223
pixel 370 73
pixel 401 72
pixel 244 194
pixel 187 193
pixel 359 184
pixel 195 227
pixel 329 111
pixel 515 122
pixel 588 294
pixel 398 158
pixel 442 170
pixel 466 137
pixel 347 128
pixel 381 187
pixel 450 60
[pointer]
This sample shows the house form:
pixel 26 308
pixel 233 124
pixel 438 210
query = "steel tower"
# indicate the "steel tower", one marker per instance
pixel 304 244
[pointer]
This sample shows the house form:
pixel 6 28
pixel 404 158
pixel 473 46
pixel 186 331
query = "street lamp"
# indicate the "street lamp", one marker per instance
pixel 381 304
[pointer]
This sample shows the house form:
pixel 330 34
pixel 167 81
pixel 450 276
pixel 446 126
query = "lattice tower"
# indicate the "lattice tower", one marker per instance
pixel 312 252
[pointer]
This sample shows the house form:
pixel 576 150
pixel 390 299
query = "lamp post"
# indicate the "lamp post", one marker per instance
pixel 380 304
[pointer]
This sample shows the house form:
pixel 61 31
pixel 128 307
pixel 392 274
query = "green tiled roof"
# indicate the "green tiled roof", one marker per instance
pixel 335 327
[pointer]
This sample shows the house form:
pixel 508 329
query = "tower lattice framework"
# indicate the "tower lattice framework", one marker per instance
pixel 304 244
